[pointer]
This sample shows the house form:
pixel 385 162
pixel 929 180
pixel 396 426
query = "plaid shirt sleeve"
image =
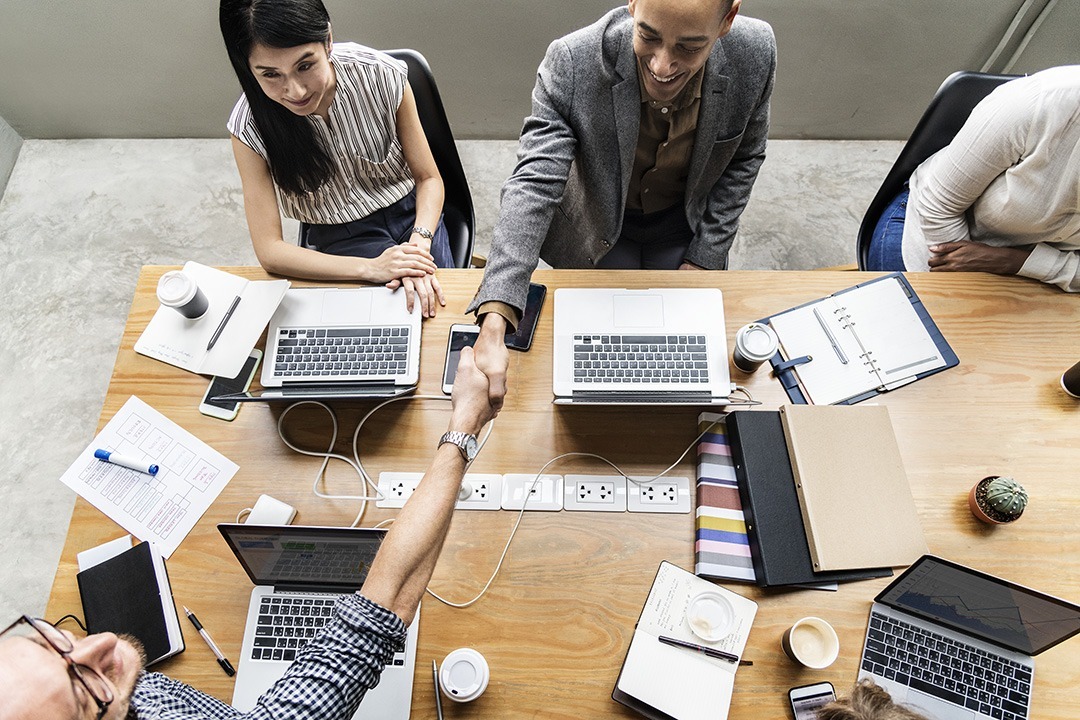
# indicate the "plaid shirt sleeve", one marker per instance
pixel 328 679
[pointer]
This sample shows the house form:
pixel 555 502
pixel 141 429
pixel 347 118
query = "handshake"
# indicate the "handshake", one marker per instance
pixel 480 383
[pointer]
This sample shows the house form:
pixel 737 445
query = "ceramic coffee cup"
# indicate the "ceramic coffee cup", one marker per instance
pixel 811 642
pixel 754 344
pixel 1070 381
pixel 464 675
pixel 178 290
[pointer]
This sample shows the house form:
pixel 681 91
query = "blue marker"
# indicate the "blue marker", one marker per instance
pixel 131 463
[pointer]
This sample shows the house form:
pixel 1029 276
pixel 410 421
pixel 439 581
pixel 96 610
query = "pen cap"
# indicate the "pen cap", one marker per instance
pixel 464 675
pixel 178 290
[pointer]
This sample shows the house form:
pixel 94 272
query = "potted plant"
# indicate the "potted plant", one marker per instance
pixel 997 499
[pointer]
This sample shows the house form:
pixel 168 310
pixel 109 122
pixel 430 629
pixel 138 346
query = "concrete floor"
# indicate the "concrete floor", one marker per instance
pixel 80 217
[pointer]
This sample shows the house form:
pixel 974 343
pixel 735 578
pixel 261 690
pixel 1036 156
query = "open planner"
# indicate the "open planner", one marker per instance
pixel 857 343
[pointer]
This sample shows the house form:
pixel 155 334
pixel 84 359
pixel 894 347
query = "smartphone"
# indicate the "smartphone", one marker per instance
pixel 808 699
pixel 461 336
pixel 522 338
pixel 227 409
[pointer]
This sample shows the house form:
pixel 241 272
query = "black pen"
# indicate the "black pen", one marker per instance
pixel 221 659
pixel 223 323
pixel 707 651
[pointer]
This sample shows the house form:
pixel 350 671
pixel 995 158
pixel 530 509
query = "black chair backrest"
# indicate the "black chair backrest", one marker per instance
pixel 948 111
pixel 457 206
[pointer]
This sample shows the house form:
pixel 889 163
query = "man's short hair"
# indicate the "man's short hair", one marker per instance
pixel 868 701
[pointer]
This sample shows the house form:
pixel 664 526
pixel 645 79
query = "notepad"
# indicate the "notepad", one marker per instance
pixel 854 495
pixel 661 681
pixel 870 338
pixel 721 546
pixel 130 594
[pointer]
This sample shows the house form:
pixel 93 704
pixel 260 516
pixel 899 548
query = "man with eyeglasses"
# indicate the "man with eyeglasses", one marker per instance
pixel 49 673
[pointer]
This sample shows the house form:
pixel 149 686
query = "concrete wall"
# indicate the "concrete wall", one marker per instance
pixel 10 144
pixel 847 68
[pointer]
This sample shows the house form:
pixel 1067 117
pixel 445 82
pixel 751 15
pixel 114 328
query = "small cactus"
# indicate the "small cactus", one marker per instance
pixel 1006 496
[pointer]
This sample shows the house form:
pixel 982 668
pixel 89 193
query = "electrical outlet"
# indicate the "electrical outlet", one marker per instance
pixel 663 495
pixel 484 492
pixel 545 494
pixel 595 493
pixel 396 487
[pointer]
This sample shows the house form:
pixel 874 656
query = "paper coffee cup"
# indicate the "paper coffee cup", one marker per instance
pixel 178 290
pixel 464 675
pixel 754 344
pixel 1070 381
pixel 811 642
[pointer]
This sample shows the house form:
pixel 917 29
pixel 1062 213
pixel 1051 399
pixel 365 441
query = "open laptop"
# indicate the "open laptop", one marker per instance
pixel 299 573
pixel 640 347
pixel 954 642
pixel 339 344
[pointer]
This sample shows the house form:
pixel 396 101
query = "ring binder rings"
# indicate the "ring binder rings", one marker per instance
pixel 881 324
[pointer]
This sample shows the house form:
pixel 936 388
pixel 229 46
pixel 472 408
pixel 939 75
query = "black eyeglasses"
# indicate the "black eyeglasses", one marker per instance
pixel 90 678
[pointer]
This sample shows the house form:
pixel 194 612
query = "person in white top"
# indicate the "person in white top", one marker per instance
pixel 1003 196
pixel 331 132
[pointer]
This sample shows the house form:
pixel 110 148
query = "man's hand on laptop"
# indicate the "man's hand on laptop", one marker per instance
pixel 492 357
pixel 471 407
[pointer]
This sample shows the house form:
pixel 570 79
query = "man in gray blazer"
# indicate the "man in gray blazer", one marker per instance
pixel 647 131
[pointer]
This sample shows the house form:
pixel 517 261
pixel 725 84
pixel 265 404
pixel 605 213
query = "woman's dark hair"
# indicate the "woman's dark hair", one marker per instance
pixel 299 162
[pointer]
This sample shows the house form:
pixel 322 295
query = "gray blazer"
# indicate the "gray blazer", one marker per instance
pixel 566 198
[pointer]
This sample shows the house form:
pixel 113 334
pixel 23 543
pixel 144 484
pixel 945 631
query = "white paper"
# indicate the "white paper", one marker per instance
pixel 106 551
pixel 173 338
pixel 158 508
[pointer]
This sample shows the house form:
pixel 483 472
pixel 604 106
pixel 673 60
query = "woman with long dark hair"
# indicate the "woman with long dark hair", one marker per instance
pixel 331 132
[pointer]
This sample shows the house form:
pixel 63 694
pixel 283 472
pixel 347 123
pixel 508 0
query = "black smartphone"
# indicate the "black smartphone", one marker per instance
pixel 227 409
pixel 808 699
pixel 461 336
pixel 522 338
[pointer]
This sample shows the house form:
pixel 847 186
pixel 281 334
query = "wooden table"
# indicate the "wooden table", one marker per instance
pixel 556 623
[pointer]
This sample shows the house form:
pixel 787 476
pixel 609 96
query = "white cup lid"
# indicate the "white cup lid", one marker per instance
pixel 756 341
pixel 175 288
pixel 464 674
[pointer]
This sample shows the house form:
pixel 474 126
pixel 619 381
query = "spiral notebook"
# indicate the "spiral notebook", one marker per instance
pixel 859 342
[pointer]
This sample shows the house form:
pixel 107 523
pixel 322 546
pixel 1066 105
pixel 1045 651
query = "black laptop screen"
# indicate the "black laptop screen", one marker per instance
pixel 989 608
pixel 304 557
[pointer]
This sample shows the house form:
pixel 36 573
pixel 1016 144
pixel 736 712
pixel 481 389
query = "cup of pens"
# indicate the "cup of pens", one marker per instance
pixel 178 290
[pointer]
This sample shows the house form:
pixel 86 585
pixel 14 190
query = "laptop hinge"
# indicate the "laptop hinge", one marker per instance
pixel 328 589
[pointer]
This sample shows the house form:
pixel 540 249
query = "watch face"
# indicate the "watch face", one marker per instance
pixel 470 447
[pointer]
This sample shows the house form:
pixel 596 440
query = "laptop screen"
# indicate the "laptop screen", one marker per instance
pixel 982 605
pixel 318 558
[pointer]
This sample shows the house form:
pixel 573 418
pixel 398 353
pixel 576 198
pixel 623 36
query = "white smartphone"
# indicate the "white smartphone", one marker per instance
pixel 461 336
pixel 808 699
pixel 227 410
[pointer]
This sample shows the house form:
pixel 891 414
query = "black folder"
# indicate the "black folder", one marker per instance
pixel 130 594
pixel 774 523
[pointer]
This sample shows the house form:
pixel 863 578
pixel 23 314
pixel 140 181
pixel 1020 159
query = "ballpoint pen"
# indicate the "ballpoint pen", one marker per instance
pixel 438 699
pixel 832 338
pixel 223 323
pixel 221 659
pixel 707 651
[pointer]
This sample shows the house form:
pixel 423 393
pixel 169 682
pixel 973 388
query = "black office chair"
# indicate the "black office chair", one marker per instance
pixel 948 111
pixel 457 204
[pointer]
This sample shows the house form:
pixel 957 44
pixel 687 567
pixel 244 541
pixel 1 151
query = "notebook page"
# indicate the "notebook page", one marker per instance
pixel 888 326
pixel 833 374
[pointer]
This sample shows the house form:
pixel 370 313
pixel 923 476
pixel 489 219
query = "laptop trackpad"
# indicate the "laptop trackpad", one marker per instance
pixel 937 709
pixel 344 307
pixel 638 310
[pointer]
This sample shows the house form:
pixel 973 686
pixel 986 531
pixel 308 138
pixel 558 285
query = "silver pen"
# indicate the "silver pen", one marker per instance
pixel 832 339
pixel 438 699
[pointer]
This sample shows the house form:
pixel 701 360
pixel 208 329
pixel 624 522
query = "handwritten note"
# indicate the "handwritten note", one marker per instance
pixel 159 508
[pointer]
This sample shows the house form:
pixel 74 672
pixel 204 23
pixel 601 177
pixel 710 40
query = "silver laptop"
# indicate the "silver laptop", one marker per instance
pixel 340 343
pixel 299 573
pixel 640 347
pixel 954 642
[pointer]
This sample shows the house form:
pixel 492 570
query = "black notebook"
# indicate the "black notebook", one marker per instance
pixel 774 522
pixel 130 594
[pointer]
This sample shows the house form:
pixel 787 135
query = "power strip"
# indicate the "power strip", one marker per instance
pixel 550 493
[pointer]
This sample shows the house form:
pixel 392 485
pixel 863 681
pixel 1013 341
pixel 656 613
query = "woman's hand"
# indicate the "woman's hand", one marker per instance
pixel 964 256
pixel 400 261
pixel 426 288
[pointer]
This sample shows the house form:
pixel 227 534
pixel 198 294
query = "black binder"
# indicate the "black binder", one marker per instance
pixel 130 594
pixel 774 523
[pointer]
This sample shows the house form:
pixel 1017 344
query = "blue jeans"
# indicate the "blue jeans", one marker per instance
pixel 368 237
pixel 886 244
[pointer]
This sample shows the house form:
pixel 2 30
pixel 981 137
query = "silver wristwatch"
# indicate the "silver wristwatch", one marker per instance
pixel 423 232
pixel 465 442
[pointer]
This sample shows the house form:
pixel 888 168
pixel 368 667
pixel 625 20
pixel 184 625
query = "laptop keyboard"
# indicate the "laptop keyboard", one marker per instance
pixel 981 681
pixel 341 353
pixel 640 359
pixel 286 624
